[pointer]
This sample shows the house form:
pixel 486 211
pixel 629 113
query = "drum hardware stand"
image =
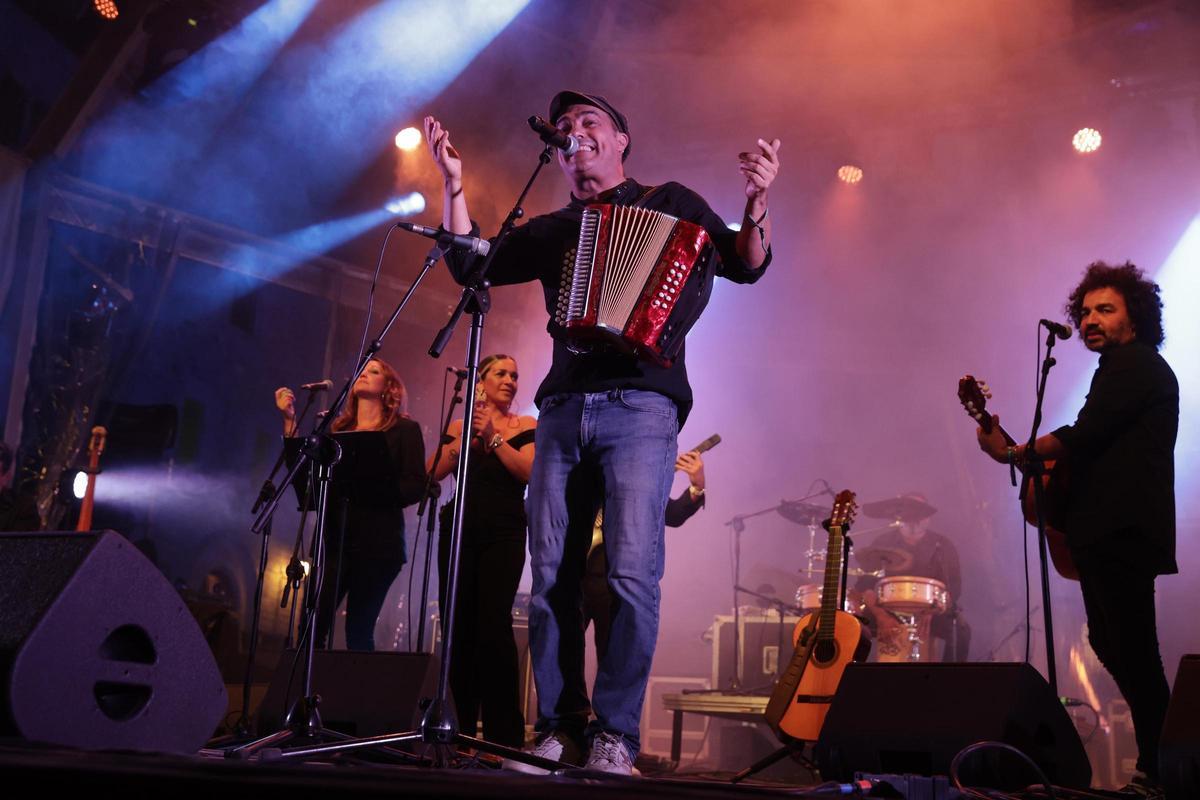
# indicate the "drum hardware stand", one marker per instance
pixel 1033 474
pixel 438 726
pixel 444 438
pixel 303 720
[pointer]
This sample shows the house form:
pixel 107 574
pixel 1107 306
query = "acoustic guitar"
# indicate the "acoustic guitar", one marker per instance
pixel 974 394
pixel 95 448
pixel 824 642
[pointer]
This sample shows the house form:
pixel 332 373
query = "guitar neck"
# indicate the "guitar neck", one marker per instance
pixel 985 422
pixel 833 581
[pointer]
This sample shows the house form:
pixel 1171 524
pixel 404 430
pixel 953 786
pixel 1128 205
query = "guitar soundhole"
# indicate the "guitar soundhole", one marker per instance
pixel 825 651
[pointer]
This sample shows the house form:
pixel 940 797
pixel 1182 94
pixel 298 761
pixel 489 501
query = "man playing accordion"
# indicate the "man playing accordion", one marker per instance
pixel 608 423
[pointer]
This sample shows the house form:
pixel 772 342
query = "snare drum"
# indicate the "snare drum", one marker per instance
pixel 909 594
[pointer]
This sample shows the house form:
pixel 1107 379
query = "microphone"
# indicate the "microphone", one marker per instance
pixel 472 243
pixel 553 136
pixel 460 373
pixel 1057 328
pixel 318 386
pixel 707 444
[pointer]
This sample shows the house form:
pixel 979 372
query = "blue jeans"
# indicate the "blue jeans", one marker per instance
pixel 618 448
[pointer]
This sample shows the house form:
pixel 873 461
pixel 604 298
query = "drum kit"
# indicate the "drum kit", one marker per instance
pixel 913 601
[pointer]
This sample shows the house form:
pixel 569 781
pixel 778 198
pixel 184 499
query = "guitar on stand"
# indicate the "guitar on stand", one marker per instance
pixel 824 641
pixel 95 449
pixel 974 394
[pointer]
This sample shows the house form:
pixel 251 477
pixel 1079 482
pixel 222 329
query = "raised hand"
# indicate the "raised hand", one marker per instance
pixel 285 401
pixel 448 161
pixel 760 168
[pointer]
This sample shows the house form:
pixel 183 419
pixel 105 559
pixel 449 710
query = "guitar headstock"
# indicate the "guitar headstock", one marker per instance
pixel 96 442
pixel 974 393
pixel 845 506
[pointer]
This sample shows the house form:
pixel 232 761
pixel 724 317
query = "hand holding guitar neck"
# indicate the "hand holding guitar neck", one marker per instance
pixel 995 441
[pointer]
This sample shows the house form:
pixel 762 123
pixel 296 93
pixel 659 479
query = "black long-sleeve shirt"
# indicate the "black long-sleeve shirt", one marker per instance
pixel 1121 453
pixel 374 506
pixel 538 251
pixel 680 509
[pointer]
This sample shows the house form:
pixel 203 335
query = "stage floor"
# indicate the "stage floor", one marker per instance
pixel 112 774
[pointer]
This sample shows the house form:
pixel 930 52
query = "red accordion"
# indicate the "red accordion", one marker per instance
pixel 637 281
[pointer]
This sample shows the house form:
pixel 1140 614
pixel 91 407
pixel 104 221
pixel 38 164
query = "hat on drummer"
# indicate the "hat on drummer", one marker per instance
pixel 917 513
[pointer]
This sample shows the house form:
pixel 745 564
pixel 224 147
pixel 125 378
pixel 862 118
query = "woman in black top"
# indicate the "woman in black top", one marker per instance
pixel 364 537
pixel 483 672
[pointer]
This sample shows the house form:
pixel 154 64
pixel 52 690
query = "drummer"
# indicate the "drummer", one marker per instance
pixel 932 556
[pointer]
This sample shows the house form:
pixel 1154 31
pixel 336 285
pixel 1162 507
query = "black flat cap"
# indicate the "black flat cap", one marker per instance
pixel 567 98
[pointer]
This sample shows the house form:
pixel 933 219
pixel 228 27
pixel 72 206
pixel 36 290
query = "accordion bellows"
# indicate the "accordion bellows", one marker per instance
pixel 637 282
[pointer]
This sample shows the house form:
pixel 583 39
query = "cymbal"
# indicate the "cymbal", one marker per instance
pixel 801 513
pixel 885 558
pixel 908 509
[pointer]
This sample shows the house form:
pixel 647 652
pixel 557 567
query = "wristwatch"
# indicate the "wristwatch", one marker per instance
pixel 496 441
pixel 695 493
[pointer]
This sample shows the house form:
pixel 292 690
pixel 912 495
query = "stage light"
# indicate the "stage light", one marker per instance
pixel 1086 140
pixel 407 205
pixel 408 139
pixel 79 485
pixel 306 566
pixel 848 173
pixel 106 8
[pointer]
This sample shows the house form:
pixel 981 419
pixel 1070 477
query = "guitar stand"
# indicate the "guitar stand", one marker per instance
pixel 793 748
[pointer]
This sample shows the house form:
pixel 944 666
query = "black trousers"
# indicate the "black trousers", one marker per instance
pixel 364 552
pixel 1119 601
pixel 363 581
pixel 484 674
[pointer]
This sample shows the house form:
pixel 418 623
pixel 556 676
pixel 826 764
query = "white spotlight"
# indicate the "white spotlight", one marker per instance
pixel 1086 140
pixel 408 139
pixel 79 485
pixel 406 205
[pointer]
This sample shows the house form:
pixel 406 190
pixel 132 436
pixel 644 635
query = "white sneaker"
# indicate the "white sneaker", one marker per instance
pixel 609 754
pixel 554 746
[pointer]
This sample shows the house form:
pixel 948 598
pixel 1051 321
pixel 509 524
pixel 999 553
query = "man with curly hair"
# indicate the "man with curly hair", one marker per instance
pixel 1120 522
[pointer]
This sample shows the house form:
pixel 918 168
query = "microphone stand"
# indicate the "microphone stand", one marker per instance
pixel 438 726
pixel 1034 470
pixel 242 728
pixel 443 439
pixel 302 719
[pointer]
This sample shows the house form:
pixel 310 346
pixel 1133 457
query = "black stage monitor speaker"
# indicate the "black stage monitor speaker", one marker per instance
pixel 98 650
pixel 1179 751
pixel 914 718
pixel 362 694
